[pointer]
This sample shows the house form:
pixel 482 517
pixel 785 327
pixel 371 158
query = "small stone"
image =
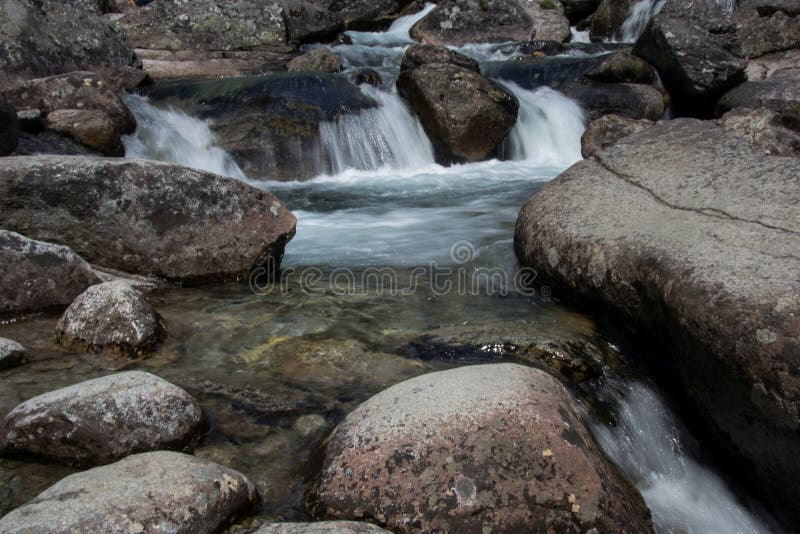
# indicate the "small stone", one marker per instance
pixel 12 353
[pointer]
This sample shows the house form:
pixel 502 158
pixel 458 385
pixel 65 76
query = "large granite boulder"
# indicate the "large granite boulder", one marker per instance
pixel 102 420
pixel 496 447
pixel 548 22
pixel 151 492
pixel 699 250
pixel 145 217
pixel 91 128
pixel 781 95
pixel 608 18
pixel 44 37
pixel 417 55
pixel 465 115
pixel 777 65
pixel 768 26
pixel 12 354
pixel 693 44
pixel 606 131
pixel 321 20
pixel 35 275
pixel 765 130
pixel 9 127
pixel 112 317
pixel 458 22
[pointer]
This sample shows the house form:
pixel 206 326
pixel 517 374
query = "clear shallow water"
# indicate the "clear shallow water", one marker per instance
pixel 276 368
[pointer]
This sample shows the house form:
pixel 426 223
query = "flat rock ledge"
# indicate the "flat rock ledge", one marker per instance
pixel 102 420
pixel 145 493
pixel 692 234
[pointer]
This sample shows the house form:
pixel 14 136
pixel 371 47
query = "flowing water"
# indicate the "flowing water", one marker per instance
pixel 644 10
pixel 400 267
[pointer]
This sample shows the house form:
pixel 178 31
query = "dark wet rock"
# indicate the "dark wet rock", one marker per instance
pixel 269 125
pixel 154 218
pixel 369 77
pixel 694 46
pixel 554 72
pixel 548 22
pixel 49 142
pixel 9 127
pixel 317 60
pixel 458 22
pixel 635 101
pixel 46 37
pixel 778 65
pixel 764 129
pixel 497 446
pixel 31 121
pixel 779 95
pixel 320 20
pixel 126 79
pixel 111 317
pixel 36 275
pixel 102 420
pixel 151 492
pixel 622 67
pixel 90 127
pixel 465 115
pixel 322 527
pixel 606 131
pixel 12 353
pixel 420 54
pixel 767 26
pixel 74 91
pixel 700 250
pixel 608 18
pixel 577 10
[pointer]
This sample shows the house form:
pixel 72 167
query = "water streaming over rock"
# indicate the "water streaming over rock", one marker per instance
pixel 644 10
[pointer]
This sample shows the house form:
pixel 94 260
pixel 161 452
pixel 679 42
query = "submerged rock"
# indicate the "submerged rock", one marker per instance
pixel 12 353
pixel 701 250
pixel 322 527
pixel 102 420
pixel 152 492
pixel 606 131
pixel 9 127
pixel 36 275
pixel 693 44
pixel 46 37
pixel 764 129
pixel 495 447
pixel 318 60
pixel 465 115
pixel 111 317
pixel 153 218
pixel 419 54
pixel 459 22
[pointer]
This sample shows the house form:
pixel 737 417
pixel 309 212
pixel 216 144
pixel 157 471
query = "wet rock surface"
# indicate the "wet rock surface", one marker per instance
pixel 622 67
pixel 9 128
pixel 464 439
pixel 608 18
pixel 151 492
pixel 35 275
pixel 156 218
pixel 465 115
pixel 695 47
pixel 102 420
pixel 458 22
pixel 317 60
pixel 418 54
pixel 111 317
pixel 693 255
pixel 12 353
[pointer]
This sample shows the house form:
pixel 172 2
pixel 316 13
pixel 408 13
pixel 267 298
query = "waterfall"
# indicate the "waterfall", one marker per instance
pixel 397 34
pixel 548 129
pixel 386 136
pixel 644 10
pixel 649 445
pixel 172 135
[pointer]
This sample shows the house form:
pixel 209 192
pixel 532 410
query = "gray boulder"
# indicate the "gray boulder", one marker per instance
pixel 102 420
pixel 112 317
pixel 781 95
pixel 608 18
pixel 12 353
pixel 35 275
pixel 152 492
pixel 91 128
pixel 45 37
pixel 700 250
pixel 321 20
pixel 693 44
pixel 317 60
pixel 465 115
pixel 768 26
pixel 622 67
pixel 764 129
pixel 606 131
pixel 488 446
pixel 634 101
pixel 458 22
pixel 420 54
pixel 577 10
pixel 322 527
pixel 145 217
pixel 777 65
pixel 9 127
pixel 548 22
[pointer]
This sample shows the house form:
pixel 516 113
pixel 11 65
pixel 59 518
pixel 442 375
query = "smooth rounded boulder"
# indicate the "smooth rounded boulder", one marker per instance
pixel 102 420
pixel 12 353
pixel 145 217
pixel 694 46
pixel 152 492
pixel 35 275
pixel 701 251
pixel 111 317
pixel 481 448
pixel 465 115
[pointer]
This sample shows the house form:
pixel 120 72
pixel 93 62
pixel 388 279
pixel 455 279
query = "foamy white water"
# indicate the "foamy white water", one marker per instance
pixel 172 135
pixel 396 34
pixel 644 10
pixel 649 445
